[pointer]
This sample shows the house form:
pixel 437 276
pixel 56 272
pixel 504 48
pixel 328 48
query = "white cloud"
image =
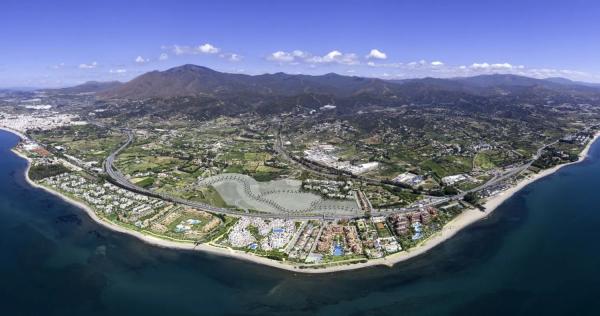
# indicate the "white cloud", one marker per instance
pixel 141 60
pixel 491 66
pixel 281 56
pixel 549 72
pixel 300 54
pixel 439 69
pixel 480 65
pixel 334 56
pixel 502 66
pixel 498 66
pixel 231 57
pixel 376 54
pixel 420 68
pixel 117 71
pixel 483 68
pixel 163 56
pixel 297 56
pixel 414 64
pixel 205 48
pixel 385 65
pixel 180 50
pixel 88 66
pixel 208 49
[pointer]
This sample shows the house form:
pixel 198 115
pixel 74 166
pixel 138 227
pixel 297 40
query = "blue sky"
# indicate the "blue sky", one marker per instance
pixel 59 43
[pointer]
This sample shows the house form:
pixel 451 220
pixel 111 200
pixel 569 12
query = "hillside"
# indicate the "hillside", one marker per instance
pixel 88 87
pixel 198 81
pixel 192 80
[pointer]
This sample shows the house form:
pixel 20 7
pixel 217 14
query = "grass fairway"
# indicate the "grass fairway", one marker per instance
pixel 132 165
pixel 447 166
pixel 235 169
pixel 483 161
pixel 145 182
pixel 207 195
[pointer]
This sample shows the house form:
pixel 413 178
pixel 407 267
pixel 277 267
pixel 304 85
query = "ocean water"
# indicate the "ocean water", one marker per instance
pixel 538 254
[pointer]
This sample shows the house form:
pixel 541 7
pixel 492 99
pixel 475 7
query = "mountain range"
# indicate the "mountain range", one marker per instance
pixel 198 81
pixel 192 80
pixel 201 92
pixel 88 87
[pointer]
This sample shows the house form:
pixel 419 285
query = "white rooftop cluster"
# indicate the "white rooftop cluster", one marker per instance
pixel 46 121
pixel 272 234
pixel 323 154
pixel 450 180
pixel 409 178
pixel 107 198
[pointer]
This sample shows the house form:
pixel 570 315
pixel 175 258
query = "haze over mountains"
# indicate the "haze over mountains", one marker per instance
pixel 90 87
pixel 201 92
pixel 192 80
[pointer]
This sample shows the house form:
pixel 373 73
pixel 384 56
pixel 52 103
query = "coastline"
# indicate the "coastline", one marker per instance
pixel 13 131
pixel 149 239
pixel 471 216
pixel 460 222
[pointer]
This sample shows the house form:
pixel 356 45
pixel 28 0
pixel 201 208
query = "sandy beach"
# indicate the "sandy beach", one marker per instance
pixel 147 237
pixel 463 220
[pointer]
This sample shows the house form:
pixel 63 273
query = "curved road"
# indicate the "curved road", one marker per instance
pixel 117 178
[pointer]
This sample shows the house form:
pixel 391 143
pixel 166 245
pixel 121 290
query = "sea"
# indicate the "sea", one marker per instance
pixel 537 254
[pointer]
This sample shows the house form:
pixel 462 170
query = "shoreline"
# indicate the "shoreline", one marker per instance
pixel 10 130
pixel 460 222
pixel 147 238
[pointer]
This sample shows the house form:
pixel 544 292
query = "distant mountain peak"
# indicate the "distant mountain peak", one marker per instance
pixel 195 80
pixel 191 67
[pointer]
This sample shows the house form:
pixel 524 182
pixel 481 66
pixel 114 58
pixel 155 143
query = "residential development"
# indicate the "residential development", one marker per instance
pixel 304 188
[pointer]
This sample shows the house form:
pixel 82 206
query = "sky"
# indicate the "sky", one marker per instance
pixel 62 43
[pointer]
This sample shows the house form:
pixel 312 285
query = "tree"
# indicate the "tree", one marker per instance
pixel 471 198
pixel 450 190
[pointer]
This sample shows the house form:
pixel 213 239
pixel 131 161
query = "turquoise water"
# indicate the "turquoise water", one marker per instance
pixel 537 254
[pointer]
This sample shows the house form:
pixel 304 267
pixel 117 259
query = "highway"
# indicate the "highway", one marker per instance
pixel 117 178
pixel 515 171
pixel 322 171
pixel 508 174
